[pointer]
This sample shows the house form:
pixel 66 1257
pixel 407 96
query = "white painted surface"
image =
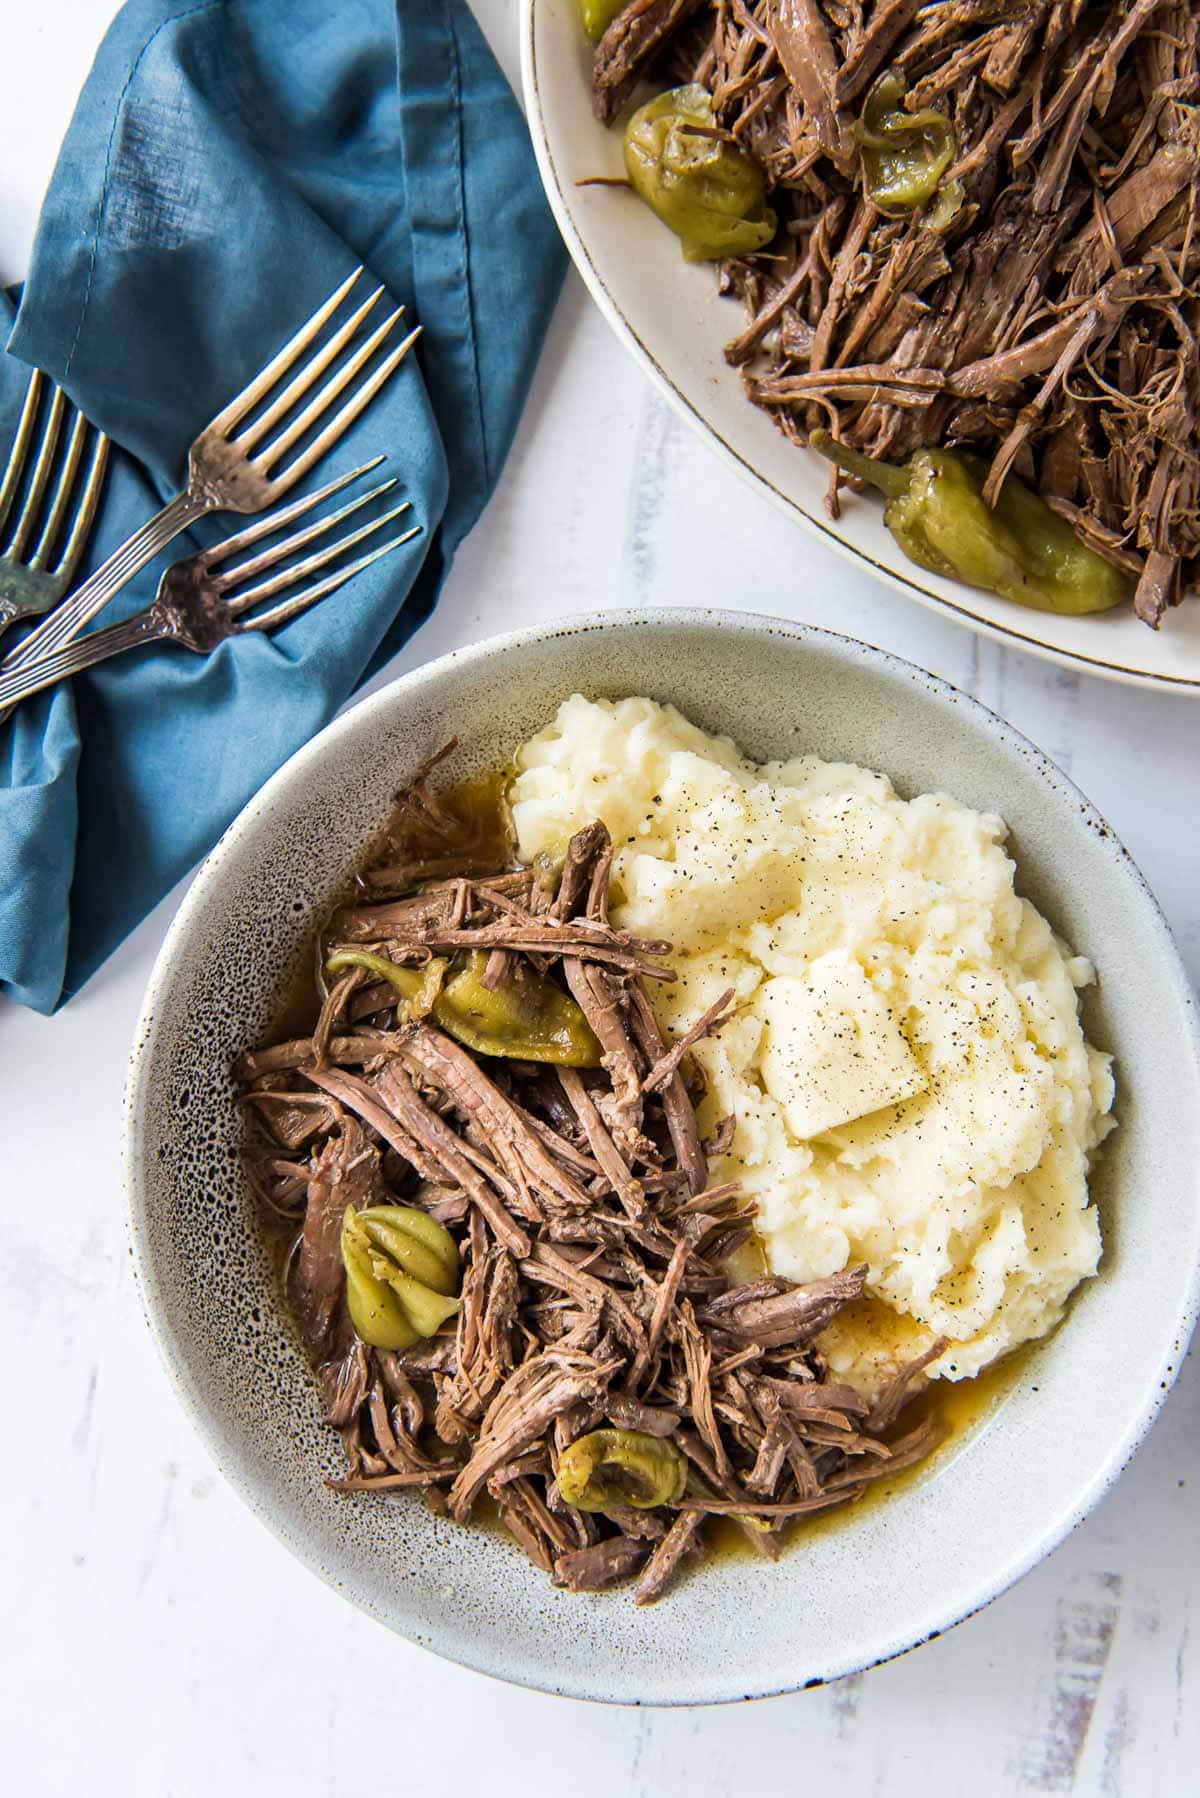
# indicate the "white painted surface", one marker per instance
pixel 157 1641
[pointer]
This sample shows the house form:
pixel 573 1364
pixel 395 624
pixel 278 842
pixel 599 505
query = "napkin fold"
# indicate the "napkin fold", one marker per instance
pixel 229 163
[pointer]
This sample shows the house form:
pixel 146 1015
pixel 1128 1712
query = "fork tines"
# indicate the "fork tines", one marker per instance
pixel 304 418
pixel 240 599
pixel 278 413
pixel 42 498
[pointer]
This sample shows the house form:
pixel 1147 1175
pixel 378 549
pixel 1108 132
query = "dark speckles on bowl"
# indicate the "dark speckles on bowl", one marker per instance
pixel 853 1595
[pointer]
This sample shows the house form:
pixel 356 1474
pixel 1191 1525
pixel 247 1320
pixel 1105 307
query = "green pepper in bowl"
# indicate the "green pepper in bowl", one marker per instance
pixel 702 186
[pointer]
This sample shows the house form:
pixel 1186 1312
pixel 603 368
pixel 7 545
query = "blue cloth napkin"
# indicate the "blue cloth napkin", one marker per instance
pixel 229 163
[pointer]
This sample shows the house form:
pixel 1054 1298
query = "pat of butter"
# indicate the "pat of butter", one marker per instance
pixel 831 1050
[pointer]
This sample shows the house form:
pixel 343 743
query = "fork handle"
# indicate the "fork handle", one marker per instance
pixel 21 683
pixel 68 619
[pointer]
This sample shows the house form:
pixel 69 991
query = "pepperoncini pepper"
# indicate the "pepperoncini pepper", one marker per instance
pixel 598 15
pixel 707 190
pixel 621 1467
pixel 401 1274
pixel 418 987
pixel 527 1018
pixel 1018 548
pixel 905 154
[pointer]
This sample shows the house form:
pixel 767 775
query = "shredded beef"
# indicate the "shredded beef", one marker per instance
pixel 1050 324
pixel 594 1290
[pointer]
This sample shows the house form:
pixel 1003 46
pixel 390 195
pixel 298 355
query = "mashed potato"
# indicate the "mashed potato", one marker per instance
pixel 906 1067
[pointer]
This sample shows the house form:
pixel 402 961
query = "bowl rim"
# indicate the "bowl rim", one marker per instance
pixel 1158 1381
pixel 641 351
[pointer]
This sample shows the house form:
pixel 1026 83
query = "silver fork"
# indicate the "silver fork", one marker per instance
pixel 223 474
pixel 30 582
pixel 199 607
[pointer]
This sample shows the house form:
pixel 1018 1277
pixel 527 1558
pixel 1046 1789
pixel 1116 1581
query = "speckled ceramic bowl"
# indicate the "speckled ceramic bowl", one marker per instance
pixel 899 1572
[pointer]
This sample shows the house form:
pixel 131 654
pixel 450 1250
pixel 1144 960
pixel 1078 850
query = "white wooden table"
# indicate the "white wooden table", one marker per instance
pixel 156 1640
